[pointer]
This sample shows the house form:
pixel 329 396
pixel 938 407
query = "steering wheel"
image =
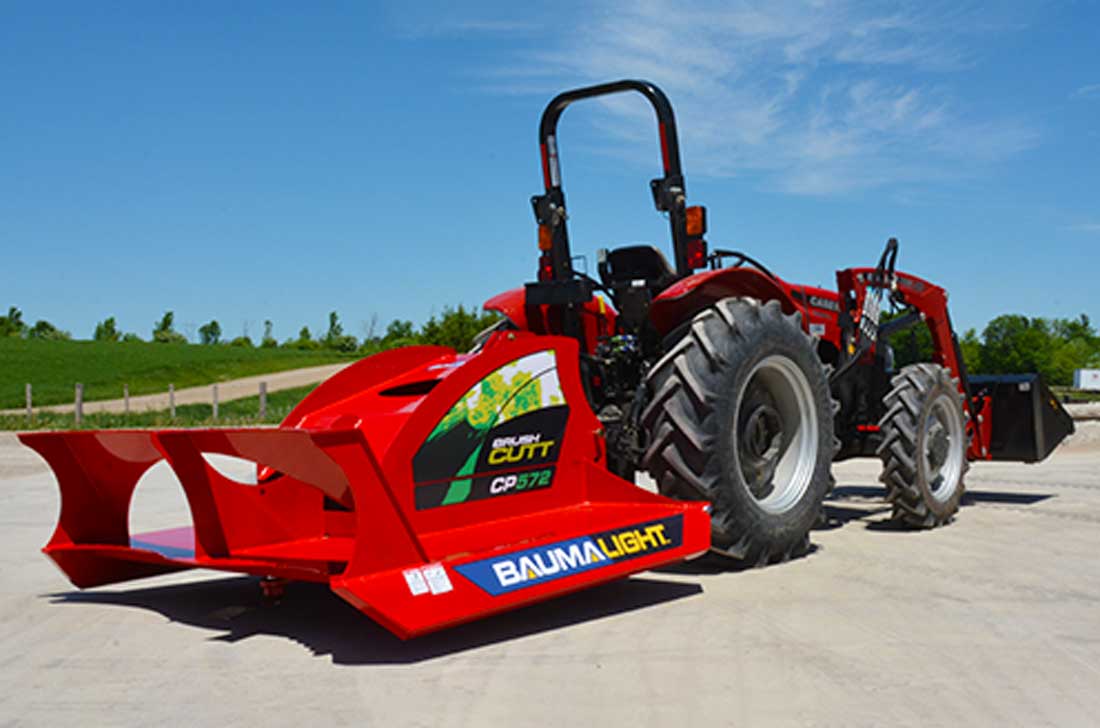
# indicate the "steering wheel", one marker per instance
pixel 596 285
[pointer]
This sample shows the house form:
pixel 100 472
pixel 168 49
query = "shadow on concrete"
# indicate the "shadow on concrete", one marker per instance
pixel 838 516
pixel 315 617
pixel 972 497
pixel 888 524
pixel 848 492
pixel 708 563
pixel 845 504
pixel 869 505
pixel 715 563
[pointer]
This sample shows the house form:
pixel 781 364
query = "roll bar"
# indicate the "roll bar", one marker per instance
pixel 668 191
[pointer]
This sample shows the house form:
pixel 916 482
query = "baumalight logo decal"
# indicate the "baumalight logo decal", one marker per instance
pixel 501 437
pixel 521 569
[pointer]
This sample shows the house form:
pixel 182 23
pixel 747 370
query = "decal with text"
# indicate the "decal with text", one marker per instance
pixel 501 437
pixel 521 569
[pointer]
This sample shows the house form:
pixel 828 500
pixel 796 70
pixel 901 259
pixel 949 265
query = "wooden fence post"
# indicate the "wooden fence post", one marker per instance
pixel 126 398
pixel 215 402
pixel 263 401
pixel 78 410
pixel 172 401
pixel 30 407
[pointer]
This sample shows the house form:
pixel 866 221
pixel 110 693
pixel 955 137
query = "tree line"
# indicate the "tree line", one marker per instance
pixel 1013 343
pixel 455 327
pixel 1008 344
pixel 13 325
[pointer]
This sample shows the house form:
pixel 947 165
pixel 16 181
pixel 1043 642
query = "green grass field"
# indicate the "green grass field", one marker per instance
pixel 234 412
pixel 53 367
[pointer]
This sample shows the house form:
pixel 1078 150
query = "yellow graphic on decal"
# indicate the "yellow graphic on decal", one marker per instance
pixel 522 386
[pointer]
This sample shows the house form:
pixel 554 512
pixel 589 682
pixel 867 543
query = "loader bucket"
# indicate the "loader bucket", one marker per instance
pixel 1028 422
pixel 426 488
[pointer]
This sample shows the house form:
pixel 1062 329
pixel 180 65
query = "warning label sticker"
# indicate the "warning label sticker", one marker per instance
pixel 431 578
pixel 416 582
pixel 436 576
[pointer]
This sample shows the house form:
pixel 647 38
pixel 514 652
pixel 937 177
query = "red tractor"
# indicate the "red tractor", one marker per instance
pixel 729 384
pixel 429 487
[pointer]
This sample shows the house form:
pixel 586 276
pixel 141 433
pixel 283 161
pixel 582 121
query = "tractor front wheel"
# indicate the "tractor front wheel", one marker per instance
pixel 740 414
pixel 923 448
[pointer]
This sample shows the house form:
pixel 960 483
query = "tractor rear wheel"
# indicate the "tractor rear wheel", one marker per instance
pixel 924 443
pixel 740 414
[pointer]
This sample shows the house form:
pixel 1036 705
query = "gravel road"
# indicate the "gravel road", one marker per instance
pixel 234 389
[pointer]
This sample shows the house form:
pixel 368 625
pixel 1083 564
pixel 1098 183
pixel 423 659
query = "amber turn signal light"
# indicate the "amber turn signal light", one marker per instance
pixel 696 221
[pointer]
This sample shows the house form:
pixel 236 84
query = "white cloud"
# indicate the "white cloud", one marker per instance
pixel 494 26
pixel 815 97
pixel 1091 91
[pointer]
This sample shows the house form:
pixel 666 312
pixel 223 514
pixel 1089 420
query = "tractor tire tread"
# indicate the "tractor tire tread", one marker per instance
pixel 910 389
pixel 686 385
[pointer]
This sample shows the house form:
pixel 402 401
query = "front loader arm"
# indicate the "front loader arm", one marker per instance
pixel 927 302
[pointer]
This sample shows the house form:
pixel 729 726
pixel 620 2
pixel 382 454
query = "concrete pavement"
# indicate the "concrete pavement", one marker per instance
pixel 993 620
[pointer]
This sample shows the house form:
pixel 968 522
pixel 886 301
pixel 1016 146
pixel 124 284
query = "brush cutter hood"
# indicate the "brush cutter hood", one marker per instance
pixel 428 488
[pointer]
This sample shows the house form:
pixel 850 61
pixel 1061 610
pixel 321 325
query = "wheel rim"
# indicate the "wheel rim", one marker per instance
pixel 776 438
pixel 942 453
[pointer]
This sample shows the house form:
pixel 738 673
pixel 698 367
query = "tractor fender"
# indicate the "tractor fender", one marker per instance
pixel 685 298
pixel 512 305
pixel 597 316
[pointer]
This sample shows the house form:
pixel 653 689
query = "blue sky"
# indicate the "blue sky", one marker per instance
pixel 250 161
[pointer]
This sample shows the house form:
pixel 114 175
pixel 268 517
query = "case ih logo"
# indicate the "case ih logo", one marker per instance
pixel 819 302
pixel 521 569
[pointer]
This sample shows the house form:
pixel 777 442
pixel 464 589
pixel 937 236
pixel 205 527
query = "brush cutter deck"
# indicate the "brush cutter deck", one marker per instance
pixel 427 488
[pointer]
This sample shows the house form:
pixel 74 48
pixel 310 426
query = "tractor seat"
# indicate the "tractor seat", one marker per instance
pixel 635 274
pixel 636 263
